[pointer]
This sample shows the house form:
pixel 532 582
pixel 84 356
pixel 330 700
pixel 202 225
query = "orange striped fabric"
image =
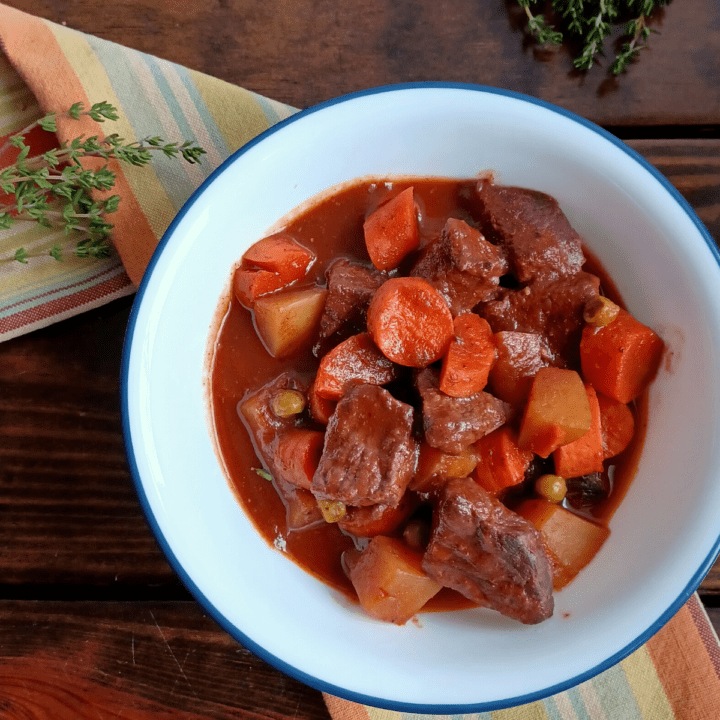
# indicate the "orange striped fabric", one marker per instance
pixel 45 67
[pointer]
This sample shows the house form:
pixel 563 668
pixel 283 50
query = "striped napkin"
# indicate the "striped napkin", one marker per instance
pixel 46 67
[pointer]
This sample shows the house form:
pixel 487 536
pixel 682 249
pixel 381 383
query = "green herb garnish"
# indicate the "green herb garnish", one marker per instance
pixel 590 22
pixel 54 190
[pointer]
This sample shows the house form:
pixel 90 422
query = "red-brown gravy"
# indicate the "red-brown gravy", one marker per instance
pixel 331 229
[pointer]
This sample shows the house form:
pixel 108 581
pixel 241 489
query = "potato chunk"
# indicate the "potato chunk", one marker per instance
pixel 285 321
pixel 571 541
pixel 389 580
pixel 557 412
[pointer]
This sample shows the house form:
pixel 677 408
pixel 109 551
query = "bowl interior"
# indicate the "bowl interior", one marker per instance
pixel 664 535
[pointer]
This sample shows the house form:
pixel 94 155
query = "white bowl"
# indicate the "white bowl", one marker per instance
pixel 664 536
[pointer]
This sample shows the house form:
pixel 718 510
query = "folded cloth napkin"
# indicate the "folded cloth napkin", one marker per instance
pixel 47 67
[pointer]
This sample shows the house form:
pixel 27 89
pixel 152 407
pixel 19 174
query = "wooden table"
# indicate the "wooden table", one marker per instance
pixel 93 621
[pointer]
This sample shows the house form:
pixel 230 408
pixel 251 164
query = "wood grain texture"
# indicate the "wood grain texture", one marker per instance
pixel 149 661
pixel 307 51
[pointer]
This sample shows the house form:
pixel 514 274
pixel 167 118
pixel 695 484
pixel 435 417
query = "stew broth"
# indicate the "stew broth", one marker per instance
pixel 332 228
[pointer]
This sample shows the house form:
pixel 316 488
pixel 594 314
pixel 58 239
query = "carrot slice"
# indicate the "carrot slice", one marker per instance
pixel 557 411
pixel 467 363
pixel 320 408
pixel 356 359
pixel 249 285
pixel 410 321
pixel 501 463
pixel 584 455
pixel 297 455
pixel 617 424
pixel 272 263
pixel 391 232
pixel 280 254
pixel 622 358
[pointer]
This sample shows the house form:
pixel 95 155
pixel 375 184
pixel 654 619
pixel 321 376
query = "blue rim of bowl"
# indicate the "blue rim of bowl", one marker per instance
pixel 229 627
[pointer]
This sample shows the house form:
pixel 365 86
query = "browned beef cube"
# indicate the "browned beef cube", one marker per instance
pixel 489 554
pixel 452 424
pixel 350 289
pixel 539 240
pixel 370 454
pixel 463 267
pixel 550 308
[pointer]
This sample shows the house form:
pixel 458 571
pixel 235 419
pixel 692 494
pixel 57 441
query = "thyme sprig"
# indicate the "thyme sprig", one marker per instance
pixel 591 22
pixel 54 190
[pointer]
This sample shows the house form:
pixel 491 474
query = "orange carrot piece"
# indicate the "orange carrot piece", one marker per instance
pixel 356 359
pixel 501 463
pixel 320 408
pixel 410 321
pixel 391 232
pixel 435 467
pixel 249 285
pixel 620 359
pixel 557 411
pixel 571 541
pixel 279 254
pixel 270 264
pixel 297 455
pixel 467 363
pixel 617 424
pixel 373 520
pixel 584 455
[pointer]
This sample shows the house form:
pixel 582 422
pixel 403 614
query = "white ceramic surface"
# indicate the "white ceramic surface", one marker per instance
pixel 664 535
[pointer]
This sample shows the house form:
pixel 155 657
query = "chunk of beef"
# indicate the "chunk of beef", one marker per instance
pixel 452 424
pixel 350 289
pixel 370 454
pixel 462 266
pixel 538 238
pixel 550 308
pixel 489 554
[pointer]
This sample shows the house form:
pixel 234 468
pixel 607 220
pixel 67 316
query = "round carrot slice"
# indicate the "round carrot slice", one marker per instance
pixel 410 321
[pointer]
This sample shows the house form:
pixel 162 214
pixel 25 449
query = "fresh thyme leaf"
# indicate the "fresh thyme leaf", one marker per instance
pixel 48 123
pixel 54 189
pixel 591 22
pixel 264 474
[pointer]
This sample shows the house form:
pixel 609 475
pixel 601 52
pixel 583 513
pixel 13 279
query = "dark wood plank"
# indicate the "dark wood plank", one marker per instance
pixel 305 52
pixel 70 512
pixel 149 661
pixel 693 167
